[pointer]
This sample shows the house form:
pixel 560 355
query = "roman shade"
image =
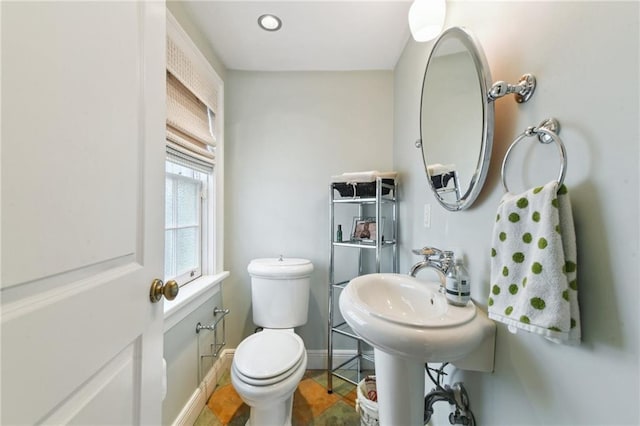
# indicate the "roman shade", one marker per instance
pixel 191 106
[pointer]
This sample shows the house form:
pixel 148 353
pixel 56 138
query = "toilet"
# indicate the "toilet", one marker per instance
pixel 267 366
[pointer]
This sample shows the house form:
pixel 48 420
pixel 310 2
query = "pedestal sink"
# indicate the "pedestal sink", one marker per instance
pixel 409 322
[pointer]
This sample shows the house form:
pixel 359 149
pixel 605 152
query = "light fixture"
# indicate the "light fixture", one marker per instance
pixel 426 18
pixel 269 22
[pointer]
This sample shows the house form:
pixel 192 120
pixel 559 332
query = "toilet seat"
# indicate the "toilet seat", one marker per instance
pixel 276 380
pixel 268 357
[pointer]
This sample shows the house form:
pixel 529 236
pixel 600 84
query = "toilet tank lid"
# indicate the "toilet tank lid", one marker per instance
pixel 281 267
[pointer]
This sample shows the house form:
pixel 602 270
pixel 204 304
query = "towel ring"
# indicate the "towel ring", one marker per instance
pixel 546 132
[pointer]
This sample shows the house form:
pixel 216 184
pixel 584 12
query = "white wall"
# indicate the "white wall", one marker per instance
pixel 286 135
pixel 585 56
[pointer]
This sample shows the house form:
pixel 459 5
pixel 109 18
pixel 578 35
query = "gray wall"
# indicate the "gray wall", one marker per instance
pixel 585 56
pixel 182 350
pixel 287 133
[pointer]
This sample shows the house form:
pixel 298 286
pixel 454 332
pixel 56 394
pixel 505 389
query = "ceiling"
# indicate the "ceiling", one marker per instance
pixel 316 35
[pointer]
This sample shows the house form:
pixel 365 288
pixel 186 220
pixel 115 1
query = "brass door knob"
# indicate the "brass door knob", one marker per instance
pixel 159 289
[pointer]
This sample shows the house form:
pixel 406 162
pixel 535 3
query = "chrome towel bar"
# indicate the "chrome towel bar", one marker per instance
pixel 216 346
pixel 216 311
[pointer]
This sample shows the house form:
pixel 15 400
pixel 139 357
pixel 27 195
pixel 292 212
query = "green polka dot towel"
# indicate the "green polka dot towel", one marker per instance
pixel 533 264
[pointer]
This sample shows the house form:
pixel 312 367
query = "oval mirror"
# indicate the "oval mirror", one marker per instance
pixel 456 119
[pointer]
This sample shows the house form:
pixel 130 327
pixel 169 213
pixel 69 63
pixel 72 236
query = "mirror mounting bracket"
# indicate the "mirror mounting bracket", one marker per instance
pixel 523 90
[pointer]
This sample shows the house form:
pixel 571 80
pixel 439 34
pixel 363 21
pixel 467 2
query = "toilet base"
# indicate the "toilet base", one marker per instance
pixel 272 404
pixel 275 414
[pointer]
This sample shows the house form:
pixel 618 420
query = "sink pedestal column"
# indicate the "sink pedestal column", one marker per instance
pixel 400 386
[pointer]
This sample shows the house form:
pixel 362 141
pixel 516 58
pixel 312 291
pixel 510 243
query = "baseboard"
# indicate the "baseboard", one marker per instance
pixel 200 396
pixel 217 370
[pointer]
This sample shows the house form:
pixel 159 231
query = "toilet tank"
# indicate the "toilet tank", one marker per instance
pixel 280 291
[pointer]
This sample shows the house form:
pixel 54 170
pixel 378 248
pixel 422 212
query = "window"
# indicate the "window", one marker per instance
pixel 188 207
pixel 194 163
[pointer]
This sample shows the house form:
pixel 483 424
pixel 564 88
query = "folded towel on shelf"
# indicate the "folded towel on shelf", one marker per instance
pixel 533 264
pixel 361 177
pixel 440 169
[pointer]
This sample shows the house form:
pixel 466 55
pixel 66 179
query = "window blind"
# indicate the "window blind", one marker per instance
pixel 188 125
pixel 180 65
pixel 191 106
pixel 189 160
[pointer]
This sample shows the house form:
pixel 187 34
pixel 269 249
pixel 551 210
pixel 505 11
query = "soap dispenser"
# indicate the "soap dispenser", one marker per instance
pixel 457 284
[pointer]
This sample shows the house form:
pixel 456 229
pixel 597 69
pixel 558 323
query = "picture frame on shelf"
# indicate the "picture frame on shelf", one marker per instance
pixel 365 229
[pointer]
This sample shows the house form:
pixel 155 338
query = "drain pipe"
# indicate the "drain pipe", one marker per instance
pixel 455 395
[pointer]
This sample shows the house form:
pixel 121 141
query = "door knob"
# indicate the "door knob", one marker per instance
pixel 159 289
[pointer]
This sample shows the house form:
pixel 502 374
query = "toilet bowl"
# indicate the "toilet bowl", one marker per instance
pixel 267 382
pixel 268 366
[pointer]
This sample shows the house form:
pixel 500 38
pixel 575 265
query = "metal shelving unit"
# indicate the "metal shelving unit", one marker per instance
pixel 379 202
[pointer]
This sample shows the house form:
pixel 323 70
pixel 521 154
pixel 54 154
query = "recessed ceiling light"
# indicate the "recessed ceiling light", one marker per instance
pixel 269 22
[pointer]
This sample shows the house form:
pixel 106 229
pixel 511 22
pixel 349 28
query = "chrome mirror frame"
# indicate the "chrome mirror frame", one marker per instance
pixel 466 199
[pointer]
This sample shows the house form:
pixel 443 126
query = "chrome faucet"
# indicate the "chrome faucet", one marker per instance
pixel 436 259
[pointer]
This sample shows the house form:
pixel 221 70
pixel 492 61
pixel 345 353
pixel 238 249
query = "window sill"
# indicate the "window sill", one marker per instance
pixel 191 296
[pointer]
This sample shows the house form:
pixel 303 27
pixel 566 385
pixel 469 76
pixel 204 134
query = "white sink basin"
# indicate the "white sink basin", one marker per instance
pixel 404 316
pixel 409 322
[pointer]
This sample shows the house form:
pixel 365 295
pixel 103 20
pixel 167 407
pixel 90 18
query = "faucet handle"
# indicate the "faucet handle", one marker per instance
pixel 448 260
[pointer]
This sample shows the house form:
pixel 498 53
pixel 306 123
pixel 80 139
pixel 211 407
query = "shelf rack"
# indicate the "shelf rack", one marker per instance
pixel 380 196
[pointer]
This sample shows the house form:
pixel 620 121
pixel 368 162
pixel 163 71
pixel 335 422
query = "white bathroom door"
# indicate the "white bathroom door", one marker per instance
pixel 83 106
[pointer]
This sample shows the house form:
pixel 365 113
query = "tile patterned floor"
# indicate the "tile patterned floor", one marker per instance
pixel 312 405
